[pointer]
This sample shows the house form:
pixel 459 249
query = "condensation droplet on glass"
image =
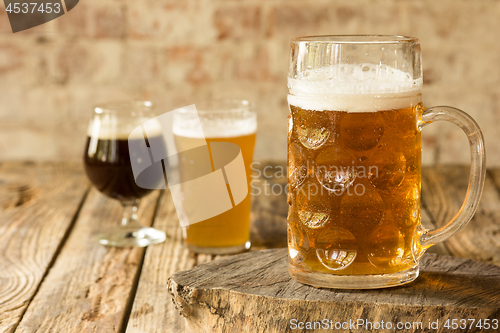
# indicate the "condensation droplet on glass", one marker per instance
pixel 313 220
pixel 335 170
pixel 387 246
pixel 336 248
pixel 365 209
pixel 359 134
pixel 391 168
pixel 298 243
pixel 293 253
pixel 407 208
pixel 297 166
pixel 312 138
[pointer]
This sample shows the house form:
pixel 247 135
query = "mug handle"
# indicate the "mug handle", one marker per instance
pixel 425 238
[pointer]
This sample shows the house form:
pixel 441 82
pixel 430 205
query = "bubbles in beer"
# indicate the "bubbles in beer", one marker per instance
pixel 334 169
pixel 298 242
pixel 336 248
pixel 312 128
pixel 367 228
pixel 313 205
pixel 312 138
pixel 297 164
pixel 390 168
pixel 361 133
pixel 386 244
pixel 313 219
pixel 363 209
pixel 407 208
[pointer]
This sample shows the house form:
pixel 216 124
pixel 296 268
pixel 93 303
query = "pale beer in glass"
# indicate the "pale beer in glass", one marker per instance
pixel 221 121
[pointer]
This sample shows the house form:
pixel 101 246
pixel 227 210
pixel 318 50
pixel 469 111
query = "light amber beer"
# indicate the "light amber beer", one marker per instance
pixel 231 228
pixel 354 150
pixel 355 209
pixel 232 121
pixel 354 182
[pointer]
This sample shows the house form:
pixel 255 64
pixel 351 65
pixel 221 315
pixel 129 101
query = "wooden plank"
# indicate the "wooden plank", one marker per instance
pixel 89 286
pixel 153 310
pixel 37 205
pixel 479 239
pixel 253 292
pixel 269 206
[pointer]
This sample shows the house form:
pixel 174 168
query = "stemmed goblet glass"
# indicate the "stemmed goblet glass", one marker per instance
pixel 112 144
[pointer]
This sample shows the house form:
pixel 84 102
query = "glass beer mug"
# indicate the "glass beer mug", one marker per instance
pixel 354 161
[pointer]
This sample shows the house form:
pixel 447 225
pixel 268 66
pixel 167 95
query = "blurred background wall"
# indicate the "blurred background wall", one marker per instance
pixel 174 51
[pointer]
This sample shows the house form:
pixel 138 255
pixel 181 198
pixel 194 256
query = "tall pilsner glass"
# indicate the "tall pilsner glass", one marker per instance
pixel 221 120
pixel 354 161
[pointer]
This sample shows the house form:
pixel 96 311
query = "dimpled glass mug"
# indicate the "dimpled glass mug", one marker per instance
pixel 354 161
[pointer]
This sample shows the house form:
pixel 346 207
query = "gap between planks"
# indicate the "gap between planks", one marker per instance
pixel 56 253
pixel 38 202
pixel 135 284
pixel 89 285
pixel 478 240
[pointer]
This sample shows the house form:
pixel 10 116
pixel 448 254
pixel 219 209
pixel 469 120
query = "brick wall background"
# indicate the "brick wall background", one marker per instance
pixel 173 51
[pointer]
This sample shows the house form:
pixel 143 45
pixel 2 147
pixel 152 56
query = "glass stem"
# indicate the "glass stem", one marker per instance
pixel 129 217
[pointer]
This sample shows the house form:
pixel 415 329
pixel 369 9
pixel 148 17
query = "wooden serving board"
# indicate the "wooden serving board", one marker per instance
pixel 253 292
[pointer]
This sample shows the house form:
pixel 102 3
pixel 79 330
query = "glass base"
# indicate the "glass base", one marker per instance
pixel 220 250
pixel 130 236
pixel 322 280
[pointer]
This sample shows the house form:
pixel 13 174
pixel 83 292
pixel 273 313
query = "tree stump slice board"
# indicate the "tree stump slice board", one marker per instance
pixel 253 292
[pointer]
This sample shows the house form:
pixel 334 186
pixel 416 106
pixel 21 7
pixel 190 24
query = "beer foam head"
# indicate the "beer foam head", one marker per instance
pixel 354 88
pixel 216 126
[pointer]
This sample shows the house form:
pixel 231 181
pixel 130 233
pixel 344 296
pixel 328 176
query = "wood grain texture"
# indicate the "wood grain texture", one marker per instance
pixel 253 292
pixel 269 206
pixel 84 287
pixel 89 286
pixel 478 240
pixel 427 221
pixel 153 310
pixel 37 206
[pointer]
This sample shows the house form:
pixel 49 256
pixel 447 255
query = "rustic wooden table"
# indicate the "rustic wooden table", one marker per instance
pixel 54 276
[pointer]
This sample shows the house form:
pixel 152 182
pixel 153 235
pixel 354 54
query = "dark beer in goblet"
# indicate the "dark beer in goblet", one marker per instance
pixel 108 164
